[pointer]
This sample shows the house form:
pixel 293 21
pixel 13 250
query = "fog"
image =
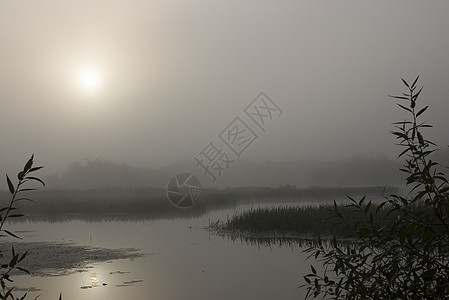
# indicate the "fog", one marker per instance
pixel 173 75
pixel 356 171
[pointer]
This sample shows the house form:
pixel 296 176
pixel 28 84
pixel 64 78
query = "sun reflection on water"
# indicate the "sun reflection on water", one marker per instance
pixel 94 279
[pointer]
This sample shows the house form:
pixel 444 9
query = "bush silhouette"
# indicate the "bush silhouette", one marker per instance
pixel 406 254
pixel 8 212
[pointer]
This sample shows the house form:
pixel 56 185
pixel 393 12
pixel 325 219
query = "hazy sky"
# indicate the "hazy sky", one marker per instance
pixel 163 78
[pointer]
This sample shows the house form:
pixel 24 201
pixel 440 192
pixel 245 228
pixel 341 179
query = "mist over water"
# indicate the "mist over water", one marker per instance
pixel 173 75
pixel 265 103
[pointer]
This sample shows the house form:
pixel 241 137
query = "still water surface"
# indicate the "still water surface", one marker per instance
pixel 181 260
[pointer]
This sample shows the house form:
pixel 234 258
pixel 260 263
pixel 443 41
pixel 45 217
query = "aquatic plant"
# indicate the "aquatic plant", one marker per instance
pixel 407 259
pixel 296 220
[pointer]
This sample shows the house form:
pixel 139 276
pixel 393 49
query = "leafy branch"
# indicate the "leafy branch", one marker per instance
pixel 6 213
pixel 400 254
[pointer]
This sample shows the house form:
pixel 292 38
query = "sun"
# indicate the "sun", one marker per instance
pixel 89 78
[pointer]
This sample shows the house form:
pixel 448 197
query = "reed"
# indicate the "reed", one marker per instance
pixel 297 220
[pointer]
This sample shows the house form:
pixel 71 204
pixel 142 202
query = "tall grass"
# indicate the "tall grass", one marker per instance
pixel 296 221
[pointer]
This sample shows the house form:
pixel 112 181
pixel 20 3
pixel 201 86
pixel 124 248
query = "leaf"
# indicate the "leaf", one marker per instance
pixel 10 185
pixel 313 269
pixel 23 256
pixel 405 82
pixel 35 169
pixel 29 164
pixel 13 261
pixel 417 94
pixel 23 270
pixel 367 207
pixel 15 216
pixel 400 135
pixel 399 97
pixel 422 110
pixel 420 138
pixel 24 295
pixel 25 199
pixel 37 179
pixel 414 82
pixel 362 200
pixel 403 152
pixel 3 209
pixel 24 190
pixel 406 108
pixel 380 206
pixel 12 234
pixel 402 122
pixel 8 293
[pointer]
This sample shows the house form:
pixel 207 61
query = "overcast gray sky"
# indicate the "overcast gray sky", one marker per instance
pixel 164 78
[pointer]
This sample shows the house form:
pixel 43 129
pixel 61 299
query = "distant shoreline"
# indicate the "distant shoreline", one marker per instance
pixel 147 203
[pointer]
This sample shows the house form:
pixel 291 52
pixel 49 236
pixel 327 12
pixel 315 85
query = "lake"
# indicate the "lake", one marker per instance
pixel 171 259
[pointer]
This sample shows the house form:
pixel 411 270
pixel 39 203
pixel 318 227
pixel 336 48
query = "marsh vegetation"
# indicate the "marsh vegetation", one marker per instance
pixel 293 220
pixel 147 203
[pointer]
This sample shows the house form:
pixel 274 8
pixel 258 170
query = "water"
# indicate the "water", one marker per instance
pixel 181 260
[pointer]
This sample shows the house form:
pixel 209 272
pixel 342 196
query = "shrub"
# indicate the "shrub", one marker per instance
pixel 409 257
